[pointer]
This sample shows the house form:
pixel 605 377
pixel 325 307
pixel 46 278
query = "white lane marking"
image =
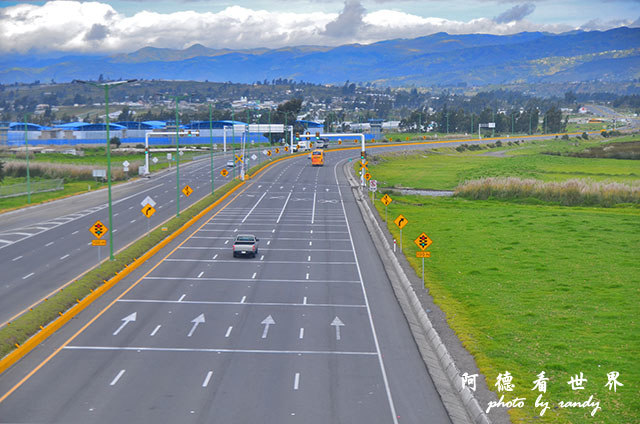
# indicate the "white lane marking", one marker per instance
pixel 205 383
pixel 48 244
pixel 309 258
pixel 182 297
pixel 116 214
pixel 200 275
pixel 228 331
pixel 310 243
pixel 268 321
pixel 296 381
pixel 310 231
pixel 64 257
pixel 273 231
pixel 268 242
pixel 180 349
pixel 307 276
pixel 218 302
pixel 304 300
pixel 215 256
pixel 313 212
pixel 132 221
pixel 301 336
pixel 27 276
pixel 16 258
pixel 196 321
pixel 254 206
pixel 126 320
pixel 283 208
pixel 392 407
pixel 114 231
pixel 243 299
pixel 75 232
pixel 262 257
pixel 262 280
pixel 115 380
pixel 254 275
pixel 155 330
pixel 130 207
pixel 337 323
pixel 226 242
pixel 235 231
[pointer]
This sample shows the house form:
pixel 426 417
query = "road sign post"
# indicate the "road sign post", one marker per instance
pixel 386 199
pixel 401 221
pixel 423 241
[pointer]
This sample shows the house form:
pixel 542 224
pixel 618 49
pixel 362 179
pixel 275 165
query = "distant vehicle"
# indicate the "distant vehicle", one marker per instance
pixel 231 163
pixel 325 143
pixel 245 244
pixel 303 145
pixel 317 158
pixel 295 148
pixel 320 144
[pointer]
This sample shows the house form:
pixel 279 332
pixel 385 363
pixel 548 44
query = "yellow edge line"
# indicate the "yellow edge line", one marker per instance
pixel 42 335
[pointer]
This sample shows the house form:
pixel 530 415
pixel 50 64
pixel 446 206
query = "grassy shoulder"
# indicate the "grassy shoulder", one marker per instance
pixel 530 288
pixel 445 168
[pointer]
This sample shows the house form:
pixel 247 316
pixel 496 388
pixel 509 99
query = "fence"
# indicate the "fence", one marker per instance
pixel 21 189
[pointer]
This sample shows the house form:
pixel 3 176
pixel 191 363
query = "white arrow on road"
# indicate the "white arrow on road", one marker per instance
pixel 126 320
pixel 197 320
pixel 337 323
pixel 267 322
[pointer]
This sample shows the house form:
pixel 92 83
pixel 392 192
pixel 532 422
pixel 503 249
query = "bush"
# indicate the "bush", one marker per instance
pixel 498 143
pixel 1 171
pixel 139 146
pixel 116 141
pixel 565 137
pixel 461 148
pixel 568 193
pixel 585 136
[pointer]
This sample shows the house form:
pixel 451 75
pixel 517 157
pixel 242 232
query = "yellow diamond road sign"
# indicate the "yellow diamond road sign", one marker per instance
pixel 98 229
pixel 386 199
pixel 187 190
pixel 224 172
pixel 367 176
pixel 148 211
pixel 423 241
pixel 401 221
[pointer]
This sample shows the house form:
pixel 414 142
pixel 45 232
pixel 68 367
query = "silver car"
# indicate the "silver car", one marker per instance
pixel 245 245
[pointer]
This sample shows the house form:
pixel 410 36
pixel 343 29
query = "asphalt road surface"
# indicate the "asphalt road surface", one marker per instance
pixel 46 246
pixel 308 331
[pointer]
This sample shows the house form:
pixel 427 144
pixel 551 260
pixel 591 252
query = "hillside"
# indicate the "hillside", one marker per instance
pixel 438 59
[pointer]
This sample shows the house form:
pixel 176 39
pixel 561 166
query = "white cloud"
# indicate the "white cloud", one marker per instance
pixel 73 26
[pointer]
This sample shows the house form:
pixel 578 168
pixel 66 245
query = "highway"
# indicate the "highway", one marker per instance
pixel 45 246
pixel 309 331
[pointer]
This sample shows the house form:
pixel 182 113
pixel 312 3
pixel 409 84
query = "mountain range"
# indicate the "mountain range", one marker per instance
pixel 438 59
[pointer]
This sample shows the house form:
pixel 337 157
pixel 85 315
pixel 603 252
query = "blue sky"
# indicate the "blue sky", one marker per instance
pixel 127 25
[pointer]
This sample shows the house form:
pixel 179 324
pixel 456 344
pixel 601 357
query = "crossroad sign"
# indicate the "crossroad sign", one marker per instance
pixel 98 229
pixel 148 201
pixel 99 242
pixel 187 190
pixel 224 172
pixel 364 165
pixel 386 200
pixel 423 241
pixel 238 159
pixel 148 211
pixel 401 221
pixel 423 254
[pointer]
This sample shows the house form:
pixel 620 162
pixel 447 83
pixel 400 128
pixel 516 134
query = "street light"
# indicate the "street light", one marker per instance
pixel 106 86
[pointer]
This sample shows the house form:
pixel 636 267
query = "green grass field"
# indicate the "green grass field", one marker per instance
pixel 531 288
pixel 445 168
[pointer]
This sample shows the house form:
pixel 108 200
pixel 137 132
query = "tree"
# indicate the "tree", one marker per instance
pixel 553 120
pixel 125 115
pixel 1 171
